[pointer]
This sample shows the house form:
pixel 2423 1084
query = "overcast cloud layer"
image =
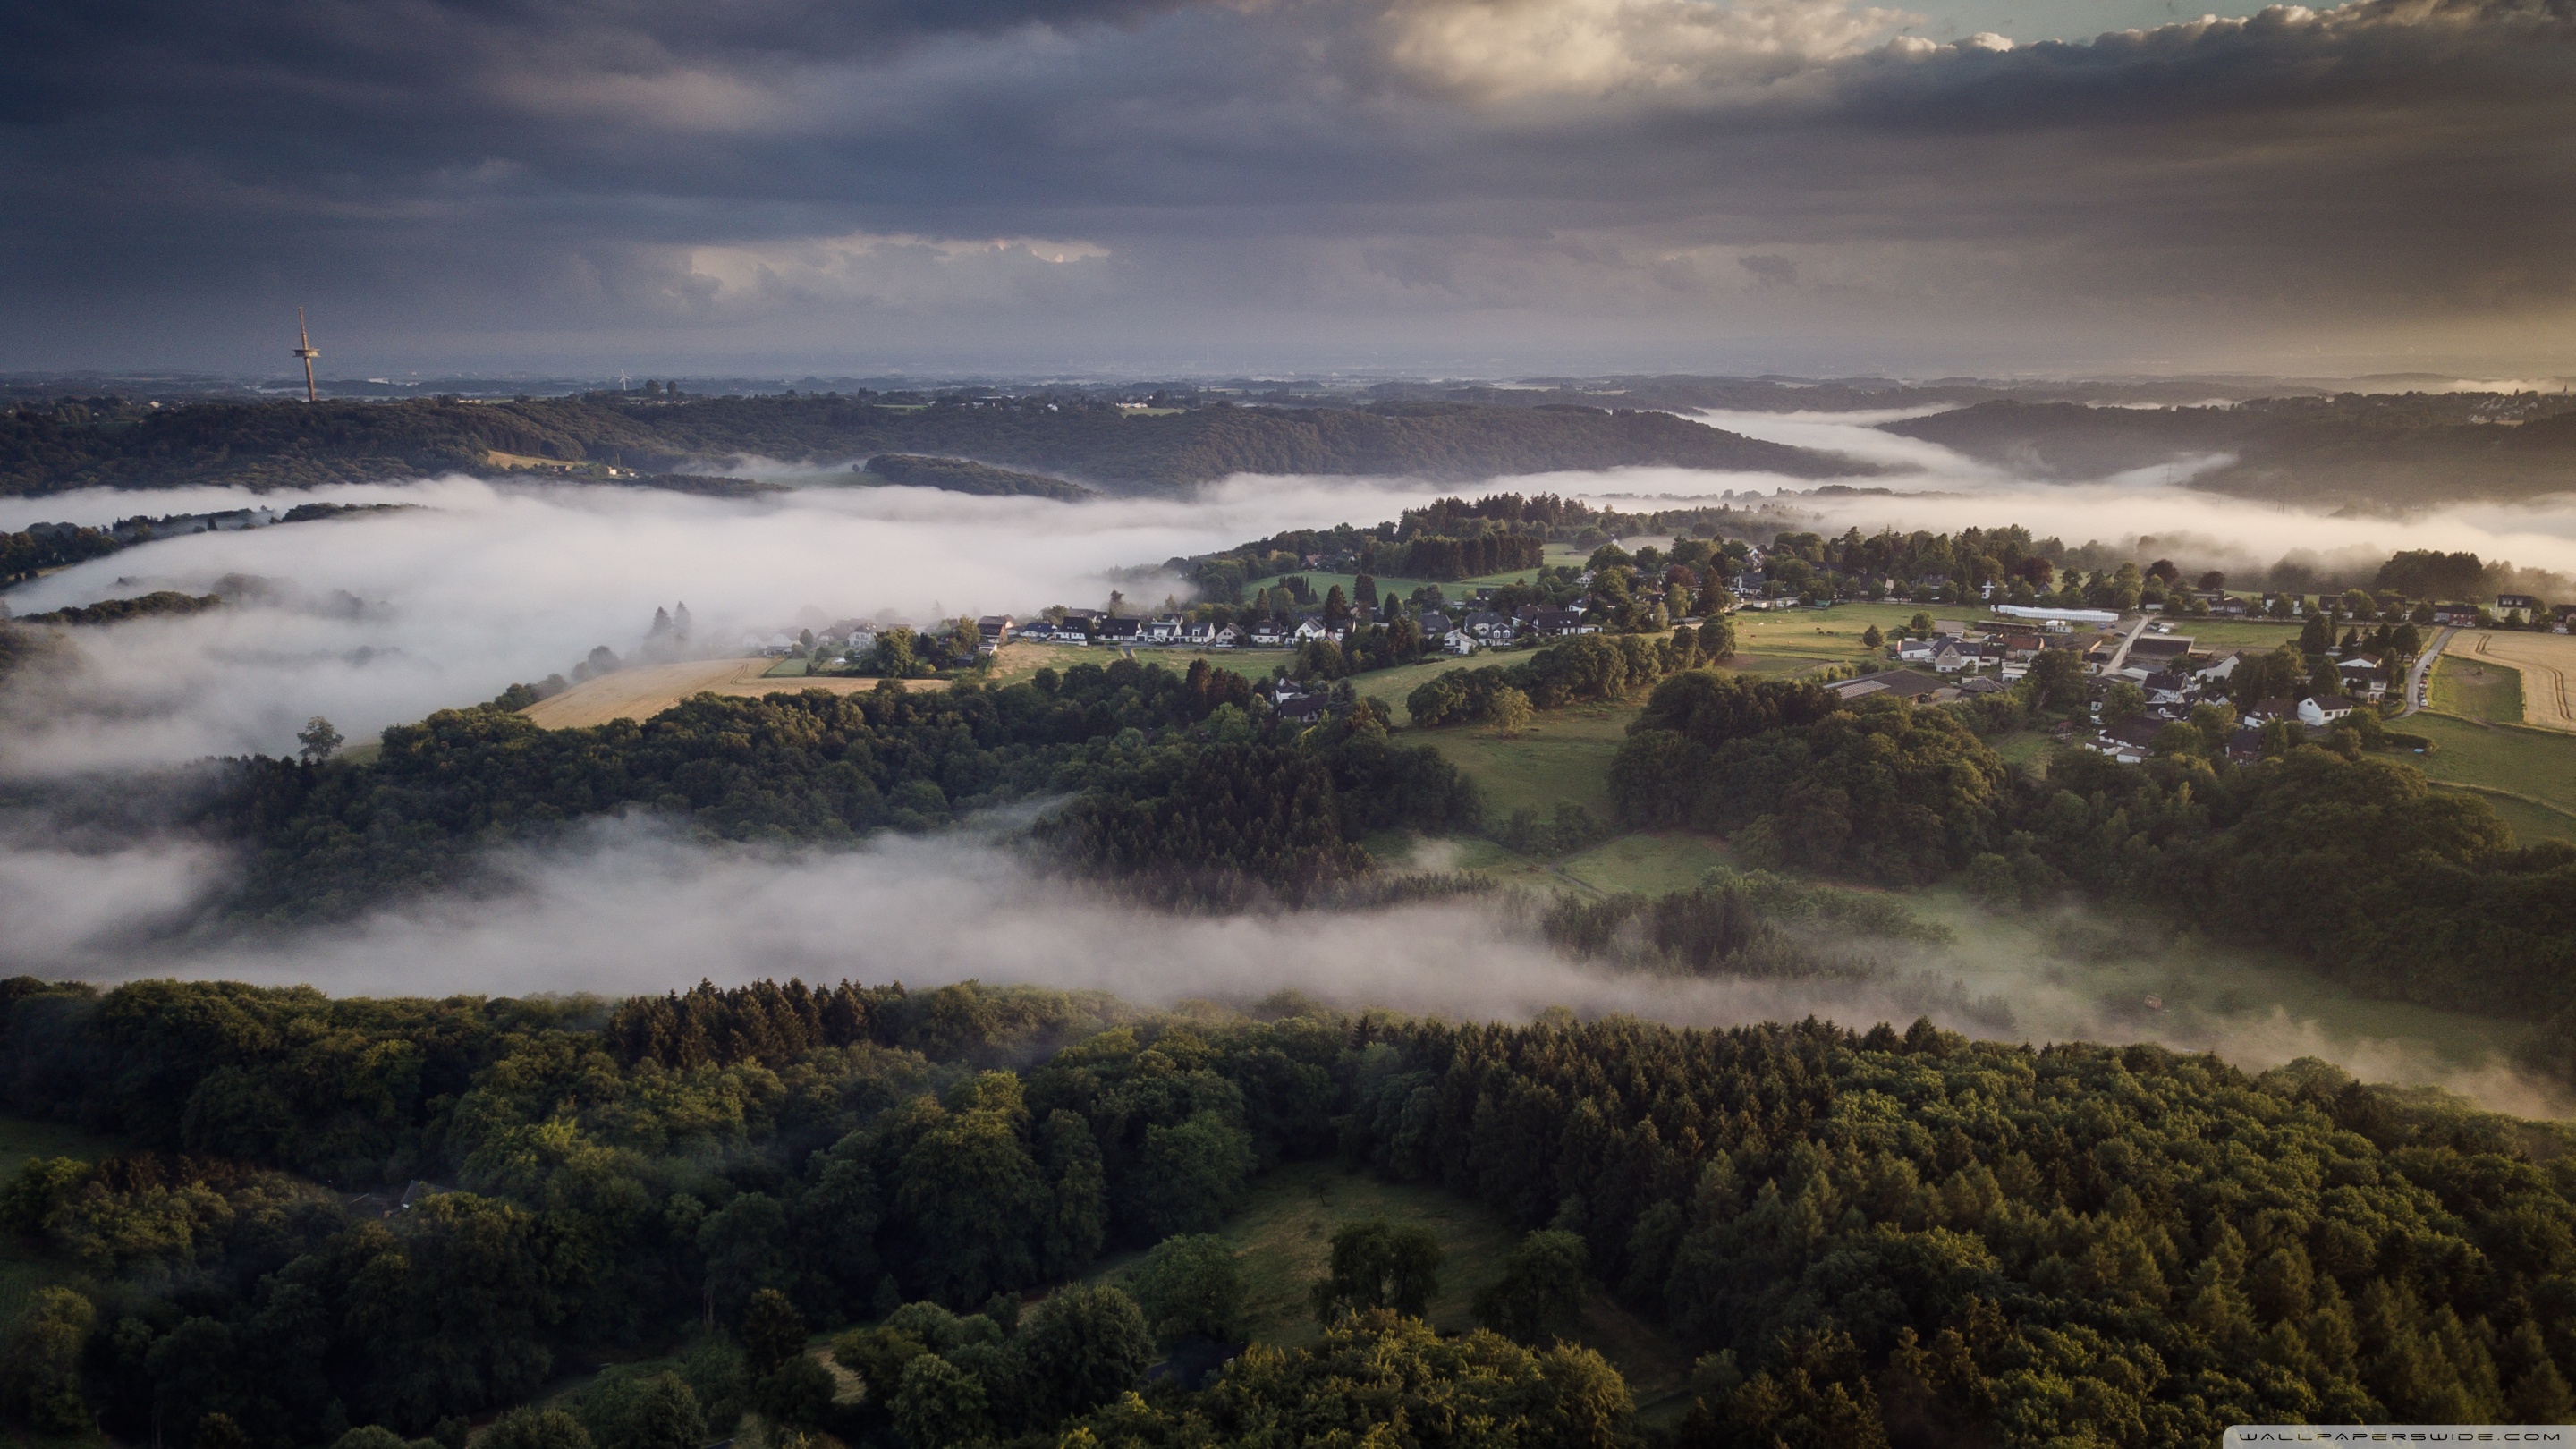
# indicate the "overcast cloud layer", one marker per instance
pixel 1477 185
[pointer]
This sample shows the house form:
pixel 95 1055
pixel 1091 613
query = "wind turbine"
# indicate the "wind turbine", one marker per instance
pixel 305 349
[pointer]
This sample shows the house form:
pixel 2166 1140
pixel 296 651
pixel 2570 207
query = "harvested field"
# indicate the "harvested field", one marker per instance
pixel 640 694
pixel 2546 662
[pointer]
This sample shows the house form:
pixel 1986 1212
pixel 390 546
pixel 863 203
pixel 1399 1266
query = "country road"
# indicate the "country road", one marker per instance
pixel 2121 655
pixel 2423 670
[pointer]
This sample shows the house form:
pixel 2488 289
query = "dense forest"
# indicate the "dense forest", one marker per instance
pixel 277 445
pixel 1239 795
pixel 1869 1238
pixel 2341 857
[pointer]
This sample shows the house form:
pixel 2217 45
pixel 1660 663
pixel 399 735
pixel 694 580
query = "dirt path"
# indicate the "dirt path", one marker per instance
pixel 2546 662
pixel 640 694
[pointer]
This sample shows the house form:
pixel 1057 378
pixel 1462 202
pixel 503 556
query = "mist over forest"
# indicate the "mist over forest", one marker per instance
pixel 580 916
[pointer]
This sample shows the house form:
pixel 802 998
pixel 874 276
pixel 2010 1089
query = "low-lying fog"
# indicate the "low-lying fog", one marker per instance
pixel 628 908
pixel 382 618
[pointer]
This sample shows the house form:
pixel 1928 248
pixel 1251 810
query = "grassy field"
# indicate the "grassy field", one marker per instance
pixel 2475 689
pixel 1283 1236
pixel 2218 636
pixel 1563 756
pixel 2529 775
pixel 1655 863
pixel 1826 636
pixel 2024 747
pixel 22 1270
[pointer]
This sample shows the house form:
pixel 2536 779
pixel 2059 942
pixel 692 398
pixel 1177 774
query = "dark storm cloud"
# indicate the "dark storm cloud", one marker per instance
pixel 820 180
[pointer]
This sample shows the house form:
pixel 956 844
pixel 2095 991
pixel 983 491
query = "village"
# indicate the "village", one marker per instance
pixel 2141 668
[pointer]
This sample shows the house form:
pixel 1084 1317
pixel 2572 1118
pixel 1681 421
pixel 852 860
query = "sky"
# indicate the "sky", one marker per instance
pixel 1460 187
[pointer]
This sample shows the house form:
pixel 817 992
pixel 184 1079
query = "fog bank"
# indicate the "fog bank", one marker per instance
pixel 627 908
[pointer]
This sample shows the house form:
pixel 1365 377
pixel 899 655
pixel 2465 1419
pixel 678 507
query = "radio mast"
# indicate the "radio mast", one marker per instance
pixel 305 349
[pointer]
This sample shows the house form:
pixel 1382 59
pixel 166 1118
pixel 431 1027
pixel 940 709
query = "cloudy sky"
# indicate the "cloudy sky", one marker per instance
pixel 1473 186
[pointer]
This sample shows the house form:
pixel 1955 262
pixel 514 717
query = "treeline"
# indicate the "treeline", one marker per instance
pixel 962 475
pixel 2345 860
pixel 1868 1238
pixel 1450 559
pixel 1586 667
pixel 29 552
pixel 1497 533
pixel 1236 821
pixel 117 611
pixel 269 445
pixel 332 839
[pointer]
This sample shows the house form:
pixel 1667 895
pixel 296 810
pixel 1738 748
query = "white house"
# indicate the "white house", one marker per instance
pixel 1161 629
pixel 2320 710
pixel 1458 641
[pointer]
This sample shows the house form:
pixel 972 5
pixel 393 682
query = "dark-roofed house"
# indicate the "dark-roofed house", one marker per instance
pixel 1906 684
pixel 2527 603
pixel 2131 742
pixel 1304 708
pixel 2160 649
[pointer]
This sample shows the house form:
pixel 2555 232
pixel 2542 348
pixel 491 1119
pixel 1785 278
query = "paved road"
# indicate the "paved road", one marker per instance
pixel 2423 669
pixel 2120 656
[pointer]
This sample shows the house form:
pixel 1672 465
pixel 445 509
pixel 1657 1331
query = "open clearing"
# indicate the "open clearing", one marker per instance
pixel 2529 775
pixel 640 694
pixel 2213 636
pixel 2472 688
pixel 1563 756
pixel 2543 660
pixel 1648 863
pixel 1283 1236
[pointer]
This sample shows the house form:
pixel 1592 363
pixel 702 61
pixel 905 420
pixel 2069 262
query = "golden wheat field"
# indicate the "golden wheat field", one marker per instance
pixel 2546 661
pixel 640 694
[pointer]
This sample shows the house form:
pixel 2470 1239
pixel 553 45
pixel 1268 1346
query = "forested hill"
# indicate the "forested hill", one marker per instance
pixel 285 444
pixel 2401 450
pixel 1866 1239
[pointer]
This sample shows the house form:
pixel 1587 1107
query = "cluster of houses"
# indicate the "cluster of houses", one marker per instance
pixel 2175 679
pixel 1475 629
pixel 1961 660
pixel 2507 606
